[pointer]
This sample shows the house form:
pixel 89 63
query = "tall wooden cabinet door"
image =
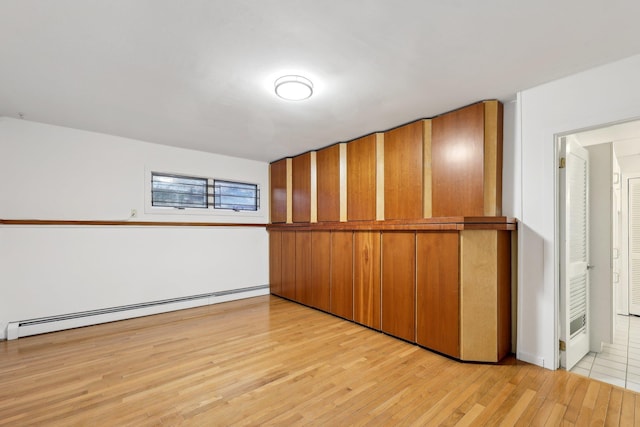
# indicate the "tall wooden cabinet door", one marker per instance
pixel 278 186
pixel 275 262
pixel 366 278
pixel 437 291
pixel 303 267
pixel 321 269
pixel 403 184
pixel 342 274
pixel 328 170
pixel 457 162
pixel 361 179
pixel 398 284
pixel 288 284
pixel 301 187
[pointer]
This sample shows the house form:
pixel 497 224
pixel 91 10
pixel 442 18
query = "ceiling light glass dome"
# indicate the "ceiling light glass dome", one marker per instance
pixel 293 88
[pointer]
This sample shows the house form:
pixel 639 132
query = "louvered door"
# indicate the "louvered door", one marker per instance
pixel 574 252
pixel 634 246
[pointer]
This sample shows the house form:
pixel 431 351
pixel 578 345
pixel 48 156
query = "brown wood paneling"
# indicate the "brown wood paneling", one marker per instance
pixel 361 179
pixel 398 284
pixel 288 285
pixel 328 170
pixel 275 262
pixel 342 274
pixel 278 185
pixel 504 293
pixel 301 187
pixel 321 269
pixel 303 267
pixel 457 168
pixel 366 278
pixel 403 172
pixel 437 291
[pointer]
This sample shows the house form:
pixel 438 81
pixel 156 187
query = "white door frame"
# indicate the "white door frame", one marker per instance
pixel 624 240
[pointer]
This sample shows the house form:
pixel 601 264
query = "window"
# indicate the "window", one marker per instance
pixel 206 194
pixel 237 196
pixel 178 191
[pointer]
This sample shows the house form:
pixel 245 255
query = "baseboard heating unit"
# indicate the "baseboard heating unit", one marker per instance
pixel 24 328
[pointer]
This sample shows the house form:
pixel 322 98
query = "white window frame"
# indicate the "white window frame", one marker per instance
pixel 210 211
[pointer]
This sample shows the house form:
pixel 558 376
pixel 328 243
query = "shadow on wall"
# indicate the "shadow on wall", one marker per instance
pixel 533 269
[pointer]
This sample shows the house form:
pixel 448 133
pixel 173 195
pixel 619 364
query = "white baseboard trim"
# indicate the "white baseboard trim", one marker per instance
pixel 531 358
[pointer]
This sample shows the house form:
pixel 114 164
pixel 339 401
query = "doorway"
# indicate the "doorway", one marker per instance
pixel 615 158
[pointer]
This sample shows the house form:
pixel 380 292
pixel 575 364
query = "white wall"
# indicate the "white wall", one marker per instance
pixel 599 96
pixel 50 172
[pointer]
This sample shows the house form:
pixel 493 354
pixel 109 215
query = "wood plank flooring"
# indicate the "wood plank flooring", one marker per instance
pixel 268 361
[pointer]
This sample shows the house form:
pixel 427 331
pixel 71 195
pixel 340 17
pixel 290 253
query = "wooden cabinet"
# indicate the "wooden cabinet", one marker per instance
pixel 361 179
pixel 278 187
pixel 403 180
pixel 301 187
pixel 328 170
pixel 342 274
pixel 466 161
pixel 366 278
pixel 288 263
pixel 303 267
pixel 400 231
pixel 321 270
pixel 398 284
pixel 444 286
pixel 437 292
pixel 275 262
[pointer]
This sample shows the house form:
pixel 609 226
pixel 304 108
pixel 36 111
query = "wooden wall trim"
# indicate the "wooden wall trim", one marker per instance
pixel 314 187
pixel 451 223
pixel 426 164
pixel 492 158
pixel 289 190
pixel 380 176
pixel 343 182
pixel 125 223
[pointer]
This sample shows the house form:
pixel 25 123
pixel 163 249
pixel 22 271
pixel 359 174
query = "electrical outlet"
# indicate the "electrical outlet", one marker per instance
pixel 134 213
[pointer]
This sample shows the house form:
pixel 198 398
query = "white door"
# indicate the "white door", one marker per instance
pixel 574 252
pixel 634 246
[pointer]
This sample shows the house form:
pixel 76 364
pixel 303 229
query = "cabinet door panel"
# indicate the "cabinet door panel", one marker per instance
pixel 301 187
pixel 361 179
pixel 288 284
pixel 278 185
pixel 303 267
pixel 457 162
pixel 321 269
pixel 366 278
pixel 328 169
pixel 275 262
pixel 398 284
pixel 437 308
pixel 403 184
pixel 342 274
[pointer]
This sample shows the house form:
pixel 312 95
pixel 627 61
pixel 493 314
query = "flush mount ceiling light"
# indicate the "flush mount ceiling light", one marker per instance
pixel 293 88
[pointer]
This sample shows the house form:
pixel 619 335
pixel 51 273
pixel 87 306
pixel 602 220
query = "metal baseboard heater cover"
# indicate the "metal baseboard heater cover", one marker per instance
pixel 23 328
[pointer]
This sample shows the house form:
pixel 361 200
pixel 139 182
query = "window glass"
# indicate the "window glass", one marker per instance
pixel 237 196
pixel 178 191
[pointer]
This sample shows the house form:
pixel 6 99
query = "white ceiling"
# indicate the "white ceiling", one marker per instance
pixel 199 73
pixel 624 136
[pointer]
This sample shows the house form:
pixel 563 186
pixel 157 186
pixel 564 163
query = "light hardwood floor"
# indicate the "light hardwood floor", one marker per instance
pixel 268 361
